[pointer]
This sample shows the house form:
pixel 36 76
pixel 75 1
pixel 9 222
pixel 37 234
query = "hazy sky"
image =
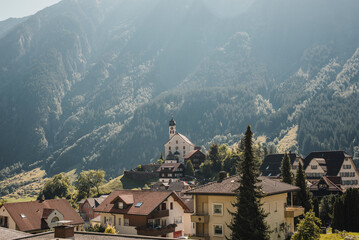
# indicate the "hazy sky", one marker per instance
pixel 22 8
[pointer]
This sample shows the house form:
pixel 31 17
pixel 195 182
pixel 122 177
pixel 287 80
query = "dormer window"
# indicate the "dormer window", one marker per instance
pixel 120 205
pixel 314 166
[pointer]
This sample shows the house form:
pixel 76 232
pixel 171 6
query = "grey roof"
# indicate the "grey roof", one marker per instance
pixel 272 163
pixel 228 185
pixel 91 236
pixel 6 234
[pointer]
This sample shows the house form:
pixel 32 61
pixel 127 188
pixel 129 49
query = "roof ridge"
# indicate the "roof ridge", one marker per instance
pixel 213 182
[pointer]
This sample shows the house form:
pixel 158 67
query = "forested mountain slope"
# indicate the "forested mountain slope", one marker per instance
pixel 92 84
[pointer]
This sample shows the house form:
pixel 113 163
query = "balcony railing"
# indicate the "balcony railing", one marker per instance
pixel 159 214
pixel 155 231
pixel 293 211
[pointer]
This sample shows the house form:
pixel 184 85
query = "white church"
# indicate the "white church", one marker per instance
pixel 177 146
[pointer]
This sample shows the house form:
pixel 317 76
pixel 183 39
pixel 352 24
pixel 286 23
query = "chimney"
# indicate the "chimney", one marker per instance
pixel 222 175
pixel 64 232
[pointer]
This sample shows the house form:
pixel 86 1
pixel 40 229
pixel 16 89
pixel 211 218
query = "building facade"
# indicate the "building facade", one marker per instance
pixel 87 207
pixel 213 202
pixel 332 163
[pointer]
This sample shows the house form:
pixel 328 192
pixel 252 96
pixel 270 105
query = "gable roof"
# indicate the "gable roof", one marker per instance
pixel 150 201
pixel 334 160
pixel 271 164
pixel 193 152
pixel 94 202
pixel 35 210
pixel 182 136
pixel 228 185
pixel 331 185
pixel 174 166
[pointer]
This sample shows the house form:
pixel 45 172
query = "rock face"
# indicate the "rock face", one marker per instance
pixel 92 84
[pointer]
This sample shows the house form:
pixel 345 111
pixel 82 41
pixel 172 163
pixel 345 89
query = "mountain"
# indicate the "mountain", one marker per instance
pixel 92 83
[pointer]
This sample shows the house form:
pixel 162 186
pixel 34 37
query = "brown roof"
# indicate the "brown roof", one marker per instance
pixel 150 201
pixel 175 166
pixel 94 202
pixel 190 154
pixel 228 185
pixel 331 186
pixel 33 212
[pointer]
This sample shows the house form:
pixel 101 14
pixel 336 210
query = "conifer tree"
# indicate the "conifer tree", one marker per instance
pixel 286 170
pixel 213 155
pixel 303 197
pixel 189 170
pixel 308 228
pixel 248 218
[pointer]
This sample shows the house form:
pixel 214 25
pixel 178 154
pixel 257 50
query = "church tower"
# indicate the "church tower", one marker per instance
pixel 172 127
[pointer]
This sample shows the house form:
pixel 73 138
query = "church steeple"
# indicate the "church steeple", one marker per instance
pixel 172 127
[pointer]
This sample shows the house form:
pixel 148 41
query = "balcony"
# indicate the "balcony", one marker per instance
pixel 293 211
pixel 155 231
pixel 200 218
pixel 159 214
pixel 200 236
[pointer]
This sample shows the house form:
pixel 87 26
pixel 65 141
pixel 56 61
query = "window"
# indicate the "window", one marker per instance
pixel 217 229
pixel 171 205
pixel 169 148
pixel 313 166
pixel 217 209
pixel 120 205
pixel 169 175
pixel 139 204
pixel 176 142
pixel 119 221
pixel 55 219
pixel 176 148
pixel 126 222
pixel 178 219
pixel 184 147
pixel 90 212
pixel 295 167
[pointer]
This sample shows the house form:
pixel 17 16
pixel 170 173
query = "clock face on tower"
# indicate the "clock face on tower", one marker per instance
pixel 171 128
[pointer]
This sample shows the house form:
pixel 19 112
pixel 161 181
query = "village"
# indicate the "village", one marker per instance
pixel 179 207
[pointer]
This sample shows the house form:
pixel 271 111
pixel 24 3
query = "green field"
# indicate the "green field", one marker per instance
pixel 340 236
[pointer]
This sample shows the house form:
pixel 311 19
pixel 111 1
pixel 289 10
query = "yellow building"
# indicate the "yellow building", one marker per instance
pixel 213 202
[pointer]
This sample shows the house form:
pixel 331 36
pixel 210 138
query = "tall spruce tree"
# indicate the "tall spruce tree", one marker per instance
pixel 248 218
pixel 285 169
pixel 303 197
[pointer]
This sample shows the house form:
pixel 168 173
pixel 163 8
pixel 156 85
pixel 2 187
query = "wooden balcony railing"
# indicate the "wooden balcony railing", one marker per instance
pixel 155 231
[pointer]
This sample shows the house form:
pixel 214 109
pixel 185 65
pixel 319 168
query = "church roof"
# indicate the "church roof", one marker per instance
pixel 172 122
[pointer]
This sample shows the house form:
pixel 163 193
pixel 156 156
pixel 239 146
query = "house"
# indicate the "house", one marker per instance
pixel 178 145
pixel 272 163
pixel 332 163
pixel 88 205
pixel 171 172
pixel 197 157
pixel 327 185
pixel 38 216
pixel 144 212
pixel 213 201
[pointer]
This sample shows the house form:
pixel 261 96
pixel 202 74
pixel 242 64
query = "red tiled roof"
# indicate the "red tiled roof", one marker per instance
pixel 34 211
pixel 150 201
pixel 228 185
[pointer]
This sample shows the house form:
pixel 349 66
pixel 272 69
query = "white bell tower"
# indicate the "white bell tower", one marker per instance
pixel 172 127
